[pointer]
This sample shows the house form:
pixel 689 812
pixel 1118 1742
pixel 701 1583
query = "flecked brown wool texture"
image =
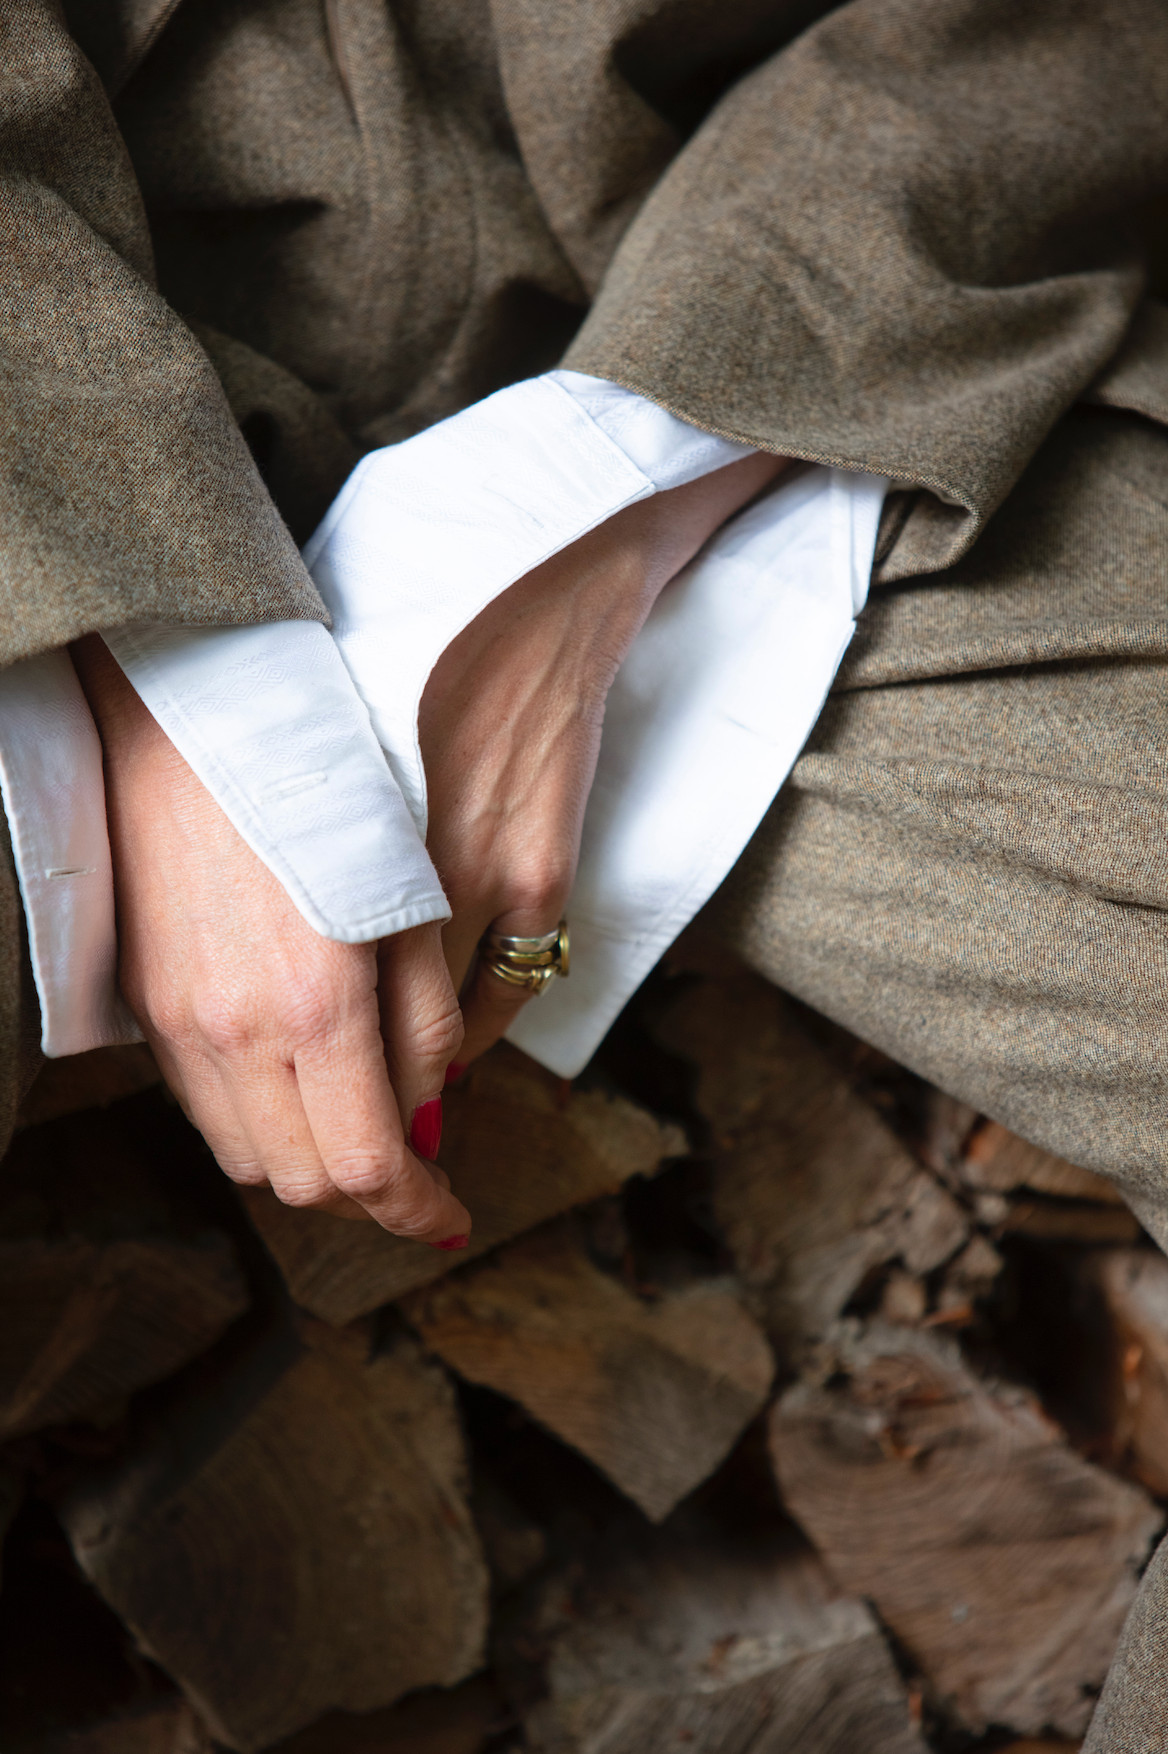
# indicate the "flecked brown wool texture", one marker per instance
pixel 246 240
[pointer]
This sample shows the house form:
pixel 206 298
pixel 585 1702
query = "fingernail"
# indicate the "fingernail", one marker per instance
pixel 454 1071
pixel 451 1242
pixel 426 1128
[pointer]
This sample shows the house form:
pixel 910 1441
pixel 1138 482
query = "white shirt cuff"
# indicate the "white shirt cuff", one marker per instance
pixel 268 720
pixel 54 798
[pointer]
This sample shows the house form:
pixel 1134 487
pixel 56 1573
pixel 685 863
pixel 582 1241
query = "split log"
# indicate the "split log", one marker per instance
pixel 519 1147
pixel 999 1160
pixel 1002 1562
pixel 655 1392
pixel 811 1188
pixel 108 1282
pixel 83 1324
pixel 1130 1288
pixel 170 1728
pixel 717 1648
pixel 90 1080
pixel 295 1538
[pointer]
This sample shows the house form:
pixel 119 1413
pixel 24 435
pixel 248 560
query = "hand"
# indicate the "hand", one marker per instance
pixel 511 718
pixel 285 1049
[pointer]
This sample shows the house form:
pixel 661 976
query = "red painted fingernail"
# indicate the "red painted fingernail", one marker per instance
pixel 451 1242
pixel 454 1071
pixel 426 1128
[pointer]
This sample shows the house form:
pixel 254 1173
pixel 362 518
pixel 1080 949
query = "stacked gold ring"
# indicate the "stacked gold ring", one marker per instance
pixel 526 962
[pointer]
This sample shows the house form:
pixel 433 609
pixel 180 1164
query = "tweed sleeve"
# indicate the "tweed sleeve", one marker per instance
pixel 901 244
pixel 126 490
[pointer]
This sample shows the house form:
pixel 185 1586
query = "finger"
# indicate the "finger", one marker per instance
pixel 351 1109
pixel 489 1007
pixel 281 1149
pixel 221 1107
pixel 421 1027
pixel 491 1004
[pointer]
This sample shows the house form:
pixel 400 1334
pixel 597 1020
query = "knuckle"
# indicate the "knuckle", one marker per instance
pixel 221 1022
pixel 366 1175
pixel 244 1175
pixel 439 1038
pixel 169 1015
pixel 404 1202
pixel 542 887
pixel 305 1195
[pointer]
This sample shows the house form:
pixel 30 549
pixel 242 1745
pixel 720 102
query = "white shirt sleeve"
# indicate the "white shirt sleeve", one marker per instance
pixel 309 743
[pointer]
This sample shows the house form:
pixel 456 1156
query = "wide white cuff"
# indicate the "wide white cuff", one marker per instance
pixel 268 719
pixel 54 798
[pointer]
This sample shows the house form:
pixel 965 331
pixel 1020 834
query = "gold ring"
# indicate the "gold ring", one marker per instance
pixel 530 963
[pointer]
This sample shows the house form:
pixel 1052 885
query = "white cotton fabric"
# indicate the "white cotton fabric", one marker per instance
pixel 54 798
pixel 425 534
pixel 309 741
pixel 703 724
pixel 668 450
pixel 267 718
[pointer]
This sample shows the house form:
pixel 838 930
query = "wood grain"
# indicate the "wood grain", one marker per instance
pixel 295 1539
pixel 811 1187
pixel 715 1648
pixel 110 1277
pixel 997 1159
pixel 654 1391
pixel 1002 1562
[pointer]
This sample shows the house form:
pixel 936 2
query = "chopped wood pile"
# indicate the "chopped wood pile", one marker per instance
pixel 781 1403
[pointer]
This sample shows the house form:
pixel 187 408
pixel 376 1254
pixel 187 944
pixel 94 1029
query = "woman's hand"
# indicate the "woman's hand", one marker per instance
pixel 511 718
pixel 284 1048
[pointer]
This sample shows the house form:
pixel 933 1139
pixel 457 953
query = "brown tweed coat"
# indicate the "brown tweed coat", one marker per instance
pixel 247 239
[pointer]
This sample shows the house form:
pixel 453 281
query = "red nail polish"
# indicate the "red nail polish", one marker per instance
pixel 454 1071
pixel 451 1242
pixel 426 1128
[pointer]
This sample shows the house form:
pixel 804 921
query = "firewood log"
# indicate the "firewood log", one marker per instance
pixel 108 1281
pixel 655 1392
pixel 84 1323
pixel 293 1537
pixel 811 1188
pixel 718 1648
pixel 90 1080
pixel 519 1147
pixel 1130 1287
pixel 1002 1562
pixel 998 1159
